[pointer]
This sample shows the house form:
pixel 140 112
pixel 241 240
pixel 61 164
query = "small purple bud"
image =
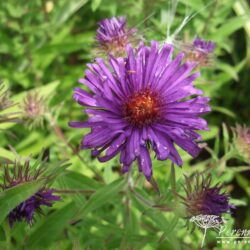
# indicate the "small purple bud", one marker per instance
pixel 113 36
pixel 28 208
pixel 205 46
pixel 34 108
pixel 200 52
pixel 204 199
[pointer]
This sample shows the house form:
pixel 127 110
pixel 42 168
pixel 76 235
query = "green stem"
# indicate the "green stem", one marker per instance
pixel 76 191
pixel 7 234
pixel 59 133
pixel 241 8
pixel 203 240
pixel 173 181
pixel 224 159
pixel 210 16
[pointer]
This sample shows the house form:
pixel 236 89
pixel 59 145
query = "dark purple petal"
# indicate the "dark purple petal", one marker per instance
pixel 160 145
pixel 83 97
pixel 113 149
pixel 145 163
pixel 206 46
pixel 27 209
pixel 110 29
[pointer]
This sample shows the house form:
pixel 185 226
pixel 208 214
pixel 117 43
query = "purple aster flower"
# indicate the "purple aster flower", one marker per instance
pixel 205 46
pixel 27 209
pixel 200 52
pixel 139 103
pixel 113 36
pixel 204 199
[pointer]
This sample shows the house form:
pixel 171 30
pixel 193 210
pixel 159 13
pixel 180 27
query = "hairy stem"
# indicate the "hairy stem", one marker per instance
pixel 59 133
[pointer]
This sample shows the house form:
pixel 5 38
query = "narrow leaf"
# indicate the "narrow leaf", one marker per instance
pixel 68 10
pixel 12 197
pixel 50 228
pixel 95 4
pixel 103 195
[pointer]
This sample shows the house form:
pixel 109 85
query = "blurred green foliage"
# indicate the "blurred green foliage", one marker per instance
pixel 44 46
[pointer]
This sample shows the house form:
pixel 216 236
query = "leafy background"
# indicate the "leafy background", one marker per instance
pixel 44 46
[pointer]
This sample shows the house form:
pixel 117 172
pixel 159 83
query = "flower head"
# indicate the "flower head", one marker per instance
pixel 204 46
pixel 139 103
pixel 27 209
pixel 34 108
pixel 204 199
pixel 242 141
pixel 113 35
pixel 200 51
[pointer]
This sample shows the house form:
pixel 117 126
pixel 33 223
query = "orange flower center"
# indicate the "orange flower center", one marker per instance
pixel 142 108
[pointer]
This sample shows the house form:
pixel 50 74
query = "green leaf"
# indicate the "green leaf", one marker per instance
pixel 60 48
pixel 243 182
pixel 241 8
pixel 50 228
pixel 225 137
pixel 54 169
pixel 229 27
pixel 228 69
pixel 207 135
pixel 172 224
pixel 67 11
pixel 217 146
pixel 95 4
pixel 10 198
pixel 195 4
pixel 108 175
pixel 173 178
pixel 44 91
pixel 238 169
pixel 103 195
pixel 74 180
pixel 237 202
pixel 7 154
pixel 224 110
pixel 167 226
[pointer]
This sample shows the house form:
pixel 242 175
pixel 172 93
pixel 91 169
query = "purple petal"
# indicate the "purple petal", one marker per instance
pixel 145 163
